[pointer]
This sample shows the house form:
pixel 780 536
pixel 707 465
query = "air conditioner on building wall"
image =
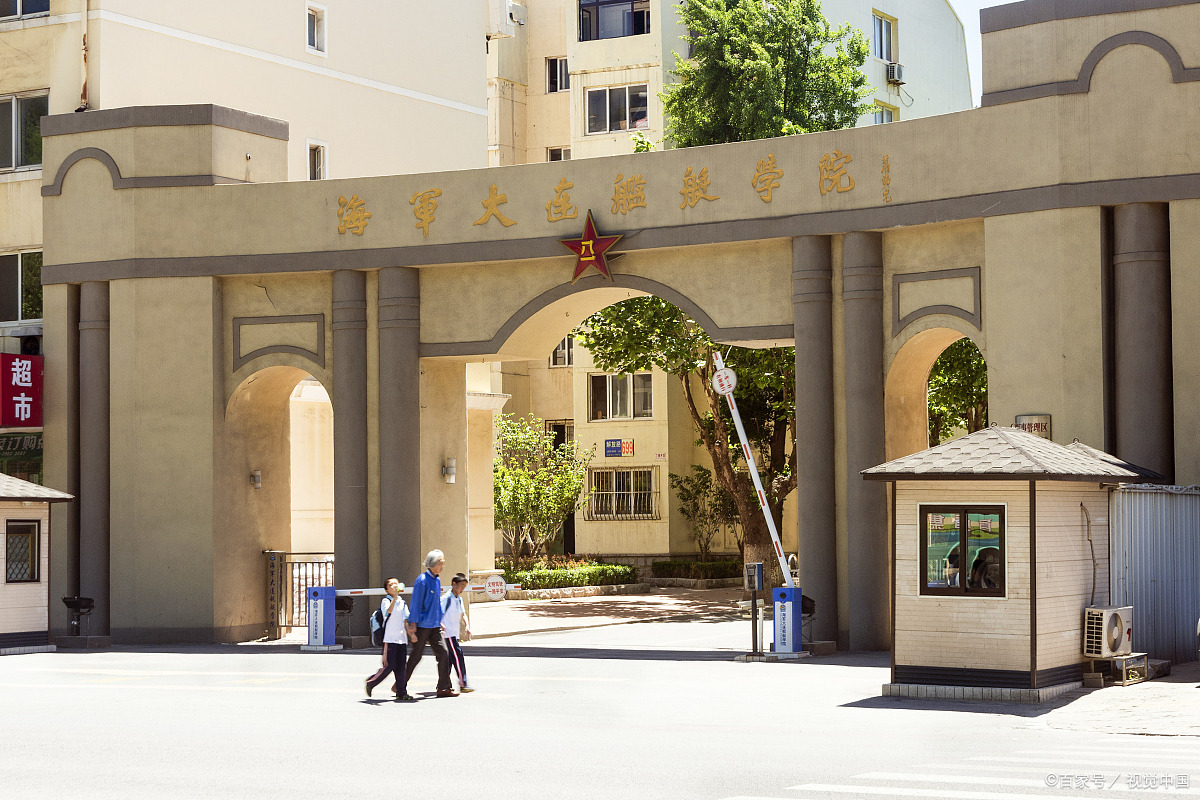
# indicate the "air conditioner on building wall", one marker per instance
pixel 895 73
pixel 501 24
pixel 1107 632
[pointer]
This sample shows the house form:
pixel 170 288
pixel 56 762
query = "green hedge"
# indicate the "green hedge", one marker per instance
pixel 697 570
pixel 594 575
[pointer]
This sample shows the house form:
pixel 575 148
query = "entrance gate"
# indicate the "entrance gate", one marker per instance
pixel 290 576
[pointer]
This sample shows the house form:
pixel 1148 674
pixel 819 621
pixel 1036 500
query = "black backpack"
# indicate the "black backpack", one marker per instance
pixel 378 626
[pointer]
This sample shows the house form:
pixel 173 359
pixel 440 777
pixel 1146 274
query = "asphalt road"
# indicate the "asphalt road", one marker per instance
pixel 645 710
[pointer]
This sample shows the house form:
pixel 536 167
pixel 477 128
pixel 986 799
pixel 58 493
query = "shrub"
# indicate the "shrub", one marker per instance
pixel 697 570
pixel 581 575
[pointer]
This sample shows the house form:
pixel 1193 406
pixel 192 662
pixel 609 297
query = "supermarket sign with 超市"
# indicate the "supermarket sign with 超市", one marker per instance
pixel 20 391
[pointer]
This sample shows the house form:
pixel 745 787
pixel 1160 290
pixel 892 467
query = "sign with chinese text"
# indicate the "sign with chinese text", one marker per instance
pixel 20 391
pixel 618 448
pixel 1037 424
pixel 724 381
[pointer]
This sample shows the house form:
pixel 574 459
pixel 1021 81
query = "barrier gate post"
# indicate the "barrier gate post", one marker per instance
pixel 322 619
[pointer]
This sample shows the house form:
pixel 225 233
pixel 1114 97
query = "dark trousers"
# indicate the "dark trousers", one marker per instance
pixel 434 637
pixel 456 658
pixel 393 662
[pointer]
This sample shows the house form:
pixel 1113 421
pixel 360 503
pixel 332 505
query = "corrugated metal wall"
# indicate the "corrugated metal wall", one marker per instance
pixel 1154 555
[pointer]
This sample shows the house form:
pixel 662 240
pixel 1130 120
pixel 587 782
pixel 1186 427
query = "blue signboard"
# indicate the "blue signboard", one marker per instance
pixel 612 448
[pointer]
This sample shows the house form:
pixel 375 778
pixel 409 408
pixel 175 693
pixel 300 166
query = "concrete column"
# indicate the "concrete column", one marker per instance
pixel 1144 408
pixel 94 455
pixel 868 564
pixel 350 438
pixel 812 301
pixel 399 423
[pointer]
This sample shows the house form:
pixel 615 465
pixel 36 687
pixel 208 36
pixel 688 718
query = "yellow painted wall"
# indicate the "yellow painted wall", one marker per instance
pixel 1185 331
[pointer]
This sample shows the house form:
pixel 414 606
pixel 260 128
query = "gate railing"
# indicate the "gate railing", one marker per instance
pixel 289 577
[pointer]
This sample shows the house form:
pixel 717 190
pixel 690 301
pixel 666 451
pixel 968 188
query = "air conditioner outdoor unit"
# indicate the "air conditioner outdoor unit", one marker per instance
pixel 895 73
pixel 501 24
pixel 1107 632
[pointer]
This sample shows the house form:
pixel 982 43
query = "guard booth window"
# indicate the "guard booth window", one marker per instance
pixel 962 550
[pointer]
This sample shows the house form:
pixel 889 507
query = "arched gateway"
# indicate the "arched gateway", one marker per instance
pixel 1057 227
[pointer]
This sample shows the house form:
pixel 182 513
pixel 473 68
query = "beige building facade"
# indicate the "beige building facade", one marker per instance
pixel 1055 227
pixel 576 78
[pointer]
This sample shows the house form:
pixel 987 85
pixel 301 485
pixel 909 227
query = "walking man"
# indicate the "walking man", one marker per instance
pixel 425 621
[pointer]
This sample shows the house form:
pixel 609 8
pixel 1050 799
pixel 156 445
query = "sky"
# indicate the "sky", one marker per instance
pixel 968 12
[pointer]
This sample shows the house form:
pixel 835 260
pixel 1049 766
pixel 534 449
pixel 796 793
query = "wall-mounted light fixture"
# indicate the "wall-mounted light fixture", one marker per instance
pixel 448 470
pixel 256 478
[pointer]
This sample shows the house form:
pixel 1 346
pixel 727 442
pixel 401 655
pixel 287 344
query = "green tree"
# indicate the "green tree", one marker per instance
pixel 957 391
pixel 647 332
pixel 536 485
pixel 763 69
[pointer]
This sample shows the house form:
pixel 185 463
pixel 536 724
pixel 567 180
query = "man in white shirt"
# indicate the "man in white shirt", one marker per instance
pixel 455 623
pixel 394 643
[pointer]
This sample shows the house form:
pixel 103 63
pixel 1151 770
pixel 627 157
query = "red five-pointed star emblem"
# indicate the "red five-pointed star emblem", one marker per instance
pixel 591 249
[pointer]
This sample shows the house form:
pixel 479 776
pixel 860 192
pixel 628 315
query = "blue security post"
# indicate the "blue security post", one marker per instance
pixel 787 620
pixel 321 619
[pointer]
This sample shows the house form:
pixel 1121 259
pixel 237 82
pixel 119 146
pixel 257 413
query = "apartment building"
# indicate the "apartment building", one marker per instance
pixel 574 80
pixel 577 77
pixel 365 90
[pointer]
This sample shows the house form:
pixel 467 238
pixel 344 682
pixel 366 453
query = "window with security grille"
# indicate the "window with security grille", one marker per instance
pixel 623 494
pixel 21 551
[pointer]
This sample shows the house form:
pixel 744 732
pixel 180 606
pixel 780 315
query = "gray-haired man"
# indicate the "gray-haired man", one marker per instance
pixel 425 621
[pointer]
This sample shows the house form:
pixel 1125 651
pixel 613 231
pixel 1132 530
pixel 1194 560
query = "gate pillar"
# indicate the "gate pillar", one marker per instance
pixel 399 423
pixel 812 301
pixel 867 568
pixel 94 455
pixel 1144 413
pixel 350 440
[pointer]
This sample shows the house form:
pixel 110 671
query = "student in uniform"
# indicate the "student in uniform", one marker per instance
pixel 394 636
pixel 454 625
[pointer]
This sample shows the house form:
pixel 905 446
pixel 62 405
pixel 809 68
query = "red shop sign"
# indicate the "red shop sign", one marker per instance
pixel 20 391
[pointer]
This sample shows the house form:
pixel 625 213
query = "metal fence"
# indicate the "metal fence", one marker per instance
pixel 290 576
pixel 1154 566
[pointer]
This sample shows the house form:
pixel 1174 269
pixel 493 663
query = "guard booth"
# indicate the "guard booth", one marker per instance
pixel 25 558
pixel 999 542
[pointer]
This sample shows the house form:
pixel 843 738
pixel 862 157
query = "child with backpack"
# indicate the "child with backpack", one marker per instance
pixel 390 620
pixel 456 625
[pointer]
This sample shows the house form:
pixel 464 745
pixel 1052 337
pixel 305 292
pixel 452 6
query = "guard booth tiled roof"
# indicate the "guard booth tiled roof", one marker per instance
pixel 998 453
pixel 16 489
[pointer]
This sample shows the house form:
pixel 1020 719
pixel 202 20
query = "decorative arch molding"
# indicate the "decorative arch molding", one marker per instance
pixel 635 282
pixel 54 189
pixel 1083 84
pixel 316 354
pixel 972 315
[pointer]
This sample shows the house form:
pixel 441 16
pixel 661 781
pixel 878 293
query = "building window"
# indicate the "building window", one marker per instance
pixel 20 286
pixel 622 396
pixel 882 37
pixel 558 79
pixel 21 551
pixel 316 28
pixel 610 19
pixel 23 8
pixel 620 494
pixel 317 160
pixel 558 154
pixel 21 130
pixel 962 550
pixel 564 354
pixel 884 113
pixel 619 108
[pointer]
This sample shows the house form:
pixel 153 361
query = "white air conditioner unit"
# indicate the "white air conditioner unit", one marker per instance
pixel 895 73
pixel 1107 632
pixel 501 24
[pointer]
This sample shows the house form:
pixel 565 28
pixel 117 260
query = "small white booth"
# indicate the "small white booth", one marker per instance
pixel 999 542
pixel 25 561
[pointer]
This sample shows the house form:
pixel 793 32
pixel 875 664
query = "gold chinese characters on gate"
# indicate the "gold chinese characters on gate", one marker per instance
pixel 630 192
